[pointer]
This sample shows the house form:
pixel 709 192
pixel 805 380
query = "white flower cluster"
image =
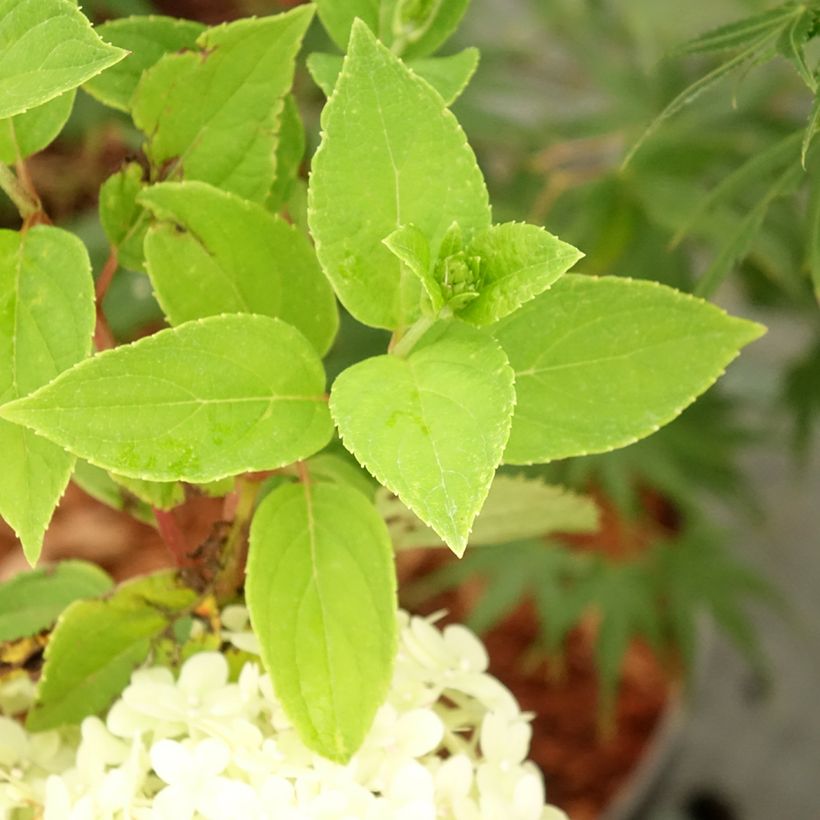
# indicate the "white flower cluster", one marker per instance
pixel 449 743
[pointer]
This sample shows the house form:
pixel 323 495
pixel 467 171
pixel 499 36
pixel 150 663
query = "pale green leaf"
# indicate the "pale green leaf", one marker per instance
pixel 410 245
pixel 448 75
pixel 147 38
pixel 518 262
pixel 412 28
pixel 28 133
pixel 46 324
pixel 376 158
pixel 741 32
pixel 341 468
pixel 321 590
pixel 214 115
pixel 600 363
pixel 337 17
pixel 98 483
pixel 416 28
pixel 123 220
pixel 48 48
pixel 209 399
pixel 516 508
pixel 162 495
pixel 290 151
pixel 212 252
pixel 31 601
pixel 431 427
pixel 97 644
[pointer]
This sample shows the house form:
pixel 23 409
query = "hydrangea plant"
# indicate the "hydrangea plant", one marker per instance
pixel 498 355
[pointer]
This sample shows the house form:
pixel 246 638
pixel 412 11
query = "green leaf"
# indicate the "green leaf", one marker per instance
pixel 412 28
pixel 600 363
pixel 124 221
pixel 214 115
pixel 791 45
pixel 49 48
pixel 741 32
pixel 518 262
pixel 416 28
pixel 147 38
pixel 431 427
pixel 321 590
pixel 97 644
pixel 341 468
pixel 810 132
pixel 516 508
pixel 207 400
pixel 410 246
pixel 161 495
pixel 758 51
pixel 337 17
pixel 375 157
pixel 290 150
pixel 98 483
pixel 772 159
pixel 697 574
pixel 46 323
pixel 213 253
pixel 448 75
pixel 31 601
pixel 28 133
pixel 740 241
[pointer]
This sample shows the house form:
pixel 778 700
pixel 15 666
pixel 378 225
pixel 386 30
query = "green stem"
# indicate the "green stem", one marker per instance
pixel 409 340
pixel 17 193
pixel 234 553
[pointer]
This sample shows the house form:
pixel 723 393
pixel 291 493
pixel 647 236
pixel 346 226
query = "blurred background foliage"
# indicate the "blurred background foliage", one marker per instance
pixel 716 201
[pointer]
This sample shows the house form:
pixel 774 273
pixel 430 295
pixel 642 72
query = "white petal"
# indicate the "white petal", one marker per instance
pixel 454 778
pixel 486 689
pixel 155 674
pixel 224 799
pixel 464 645
pixel 174 803
pixel 211 757
pixel 16 695
pixel 235 618
pixel 245 642
pixel 203 672
pixel 421 731
pixel 553 813
pixel 495 738
pixel 172 762
pixel 123 721
pixel 528 796
pixel 58 799
pixel 277 792
pixel 13 742
pixel 226 701
pixel 410 782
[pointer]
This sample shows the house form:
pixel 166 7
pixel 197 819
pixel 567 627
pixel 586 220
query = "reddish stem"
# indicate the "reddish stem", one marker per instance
pixel 106 275
pixel 103 337
pixel 173 537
